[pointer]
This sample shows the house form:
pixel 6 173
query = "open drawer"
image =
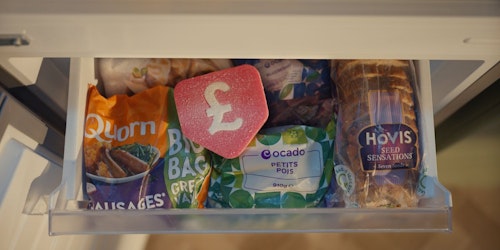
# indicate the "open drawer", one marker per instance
pixel 68 213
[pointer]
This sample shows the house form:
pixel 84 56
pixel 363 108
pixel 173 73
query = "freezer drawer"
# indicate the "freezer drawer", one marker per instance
pixel 68 213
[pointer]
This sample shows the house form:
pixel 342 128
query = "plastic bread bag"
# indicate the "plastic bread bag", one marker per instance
pixel 133 75
pixel 378 147
pixel 298 92
pixel 123 146
pixel 285 167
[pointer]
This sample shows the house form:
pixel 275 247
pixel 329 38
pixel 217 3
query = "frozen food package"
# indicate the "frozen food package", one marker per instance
pixel 284 167
pixel 124 144
pixel 307 111
pixel 378 148
pixel 187 165
pixel 298 92
pixel 133 75
pixel 136 157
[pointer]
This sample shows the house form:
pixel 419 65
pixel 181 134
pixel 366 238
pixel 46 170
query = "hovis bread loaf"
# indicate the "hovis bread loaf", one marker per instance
pixel 377 146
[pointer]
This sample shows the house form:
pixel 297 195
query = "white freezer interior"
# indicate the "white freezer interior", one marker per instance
pixel 457 44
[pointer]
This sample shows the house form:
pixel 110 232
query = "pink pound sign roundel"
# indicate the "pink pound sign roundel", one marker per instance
pixel 223 110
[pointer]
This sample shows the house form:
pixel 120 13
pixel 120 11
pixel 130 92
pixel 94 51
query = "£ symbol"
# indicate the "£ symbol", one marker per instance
pixel 217 110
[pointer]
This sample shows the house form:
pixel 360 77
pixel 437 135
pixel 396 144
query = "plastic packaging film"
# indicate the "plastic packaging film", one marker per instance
pixel 377 149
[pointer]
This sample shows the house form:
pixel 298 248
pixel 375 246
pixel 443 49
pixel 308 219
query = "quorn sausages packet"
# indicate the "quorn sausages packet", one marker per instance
pixel 124 144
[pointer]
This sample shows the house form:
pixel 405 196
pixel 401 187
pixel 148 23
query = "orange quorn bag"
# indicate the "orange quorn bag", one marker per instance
pixel 125 143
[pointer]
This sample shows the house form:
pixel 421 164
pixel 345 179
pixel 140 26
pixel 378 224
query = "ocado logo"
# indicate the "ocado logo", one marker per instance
pixel 266 154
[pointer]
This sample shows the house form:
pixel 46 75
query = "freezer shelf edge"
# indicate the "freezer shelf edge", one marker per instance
pixel 308 220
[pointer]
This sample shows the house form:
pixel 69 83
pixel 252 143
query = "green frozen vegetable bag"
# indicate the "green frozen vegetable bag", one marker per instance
pixel 283 167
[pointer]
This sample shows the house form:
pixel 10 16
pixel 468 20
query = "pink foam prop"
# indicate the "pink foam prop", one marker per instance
pixel 223 110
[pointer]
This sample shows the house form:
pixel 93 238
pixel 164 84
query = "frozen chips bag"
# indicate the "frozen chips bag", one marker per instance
pixel 285 167
pixel 135 156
